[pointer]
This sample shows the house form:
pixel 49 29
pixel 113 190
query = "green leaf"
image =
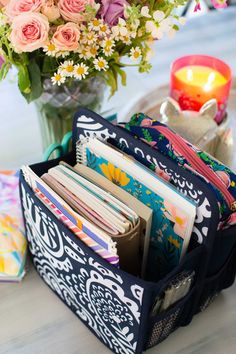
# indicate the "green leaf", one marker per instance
pixel 49 65
pixel 111 80
pixel 23 79
pixel 122 74
pixel 176 28
pixel 35 80
pixel 147 135
pixel 4 70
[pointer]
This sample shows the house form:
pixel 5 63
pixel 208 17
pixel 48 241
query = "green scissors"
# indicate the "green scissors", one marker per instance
pixel 63 148
pixel 59 149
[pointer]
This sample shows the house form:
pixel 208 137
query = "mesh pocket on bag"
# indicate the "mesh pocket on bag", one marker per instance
pixel 163 324
pixel 163 328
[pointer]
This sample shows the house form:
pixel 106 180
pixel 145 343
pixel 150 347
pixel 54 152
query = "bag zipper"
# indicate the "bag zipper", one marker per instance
pixel 195 161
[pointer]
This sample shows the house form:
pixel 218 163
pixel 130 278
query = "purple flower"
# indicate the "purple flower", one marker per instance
pixel 111 10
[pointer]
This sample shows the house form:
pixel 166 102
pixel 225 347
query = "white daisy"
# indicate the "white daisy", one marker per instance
pixel 83 52
pixel 104 30
pixel 108 42
pixel 67 68
pixel 92 51
pixel 135 53
pixel 90 38
pixel 108 51
pixel 95 24
pixel 100 64
pixel 62 54
pixel 80 71
pixel 58 79
pixel 50 49
pixel 126 39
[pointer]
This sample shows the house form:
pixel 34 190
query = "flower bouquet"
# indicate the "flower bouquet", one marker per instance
pixel 65 50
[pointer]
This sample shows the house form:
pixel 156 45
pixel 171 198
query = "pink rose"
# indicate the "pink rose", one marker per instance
pixel 112 10
pixel 146 122
pixel 29 32
pixel 72 10
pixel 50 10
pixel 3 3
pixel 17 7
pixel 66 37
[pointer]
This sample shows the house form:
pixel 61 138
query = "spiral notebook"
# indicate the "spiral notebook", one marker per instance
pixel 173 213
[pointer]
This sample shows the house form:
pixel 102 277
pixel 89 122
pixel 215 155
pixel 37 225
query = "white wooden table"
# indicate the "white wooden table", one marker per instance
pixel 32 319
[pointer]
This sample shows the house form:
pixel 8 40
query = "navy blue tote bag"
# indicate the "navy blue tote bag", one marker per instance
pixel 113 304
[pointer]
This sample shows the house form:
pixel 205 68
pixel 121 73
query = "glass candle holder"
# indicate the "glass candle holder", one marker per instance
pixel 195 79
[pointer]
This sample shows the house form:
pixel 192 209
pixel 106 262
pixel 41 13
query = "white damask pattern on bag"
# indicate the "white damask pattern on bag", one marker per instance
pixel 108 303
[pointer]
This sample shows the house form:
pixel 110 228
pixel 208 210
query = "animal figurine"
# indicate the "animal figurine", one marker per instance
pixel 200 128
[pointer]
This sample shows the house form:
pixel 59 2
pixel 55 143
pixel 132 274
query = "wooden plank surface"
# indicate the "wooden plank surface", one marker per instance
pixel 32 319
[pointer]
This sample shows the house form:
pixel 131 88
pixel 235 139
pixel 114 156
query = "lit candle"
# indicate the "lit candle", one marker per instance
pixel 196 79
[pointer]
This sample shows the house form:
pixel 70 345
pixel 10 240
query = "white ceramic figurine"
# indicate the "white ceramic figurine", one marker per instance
pixel 200 128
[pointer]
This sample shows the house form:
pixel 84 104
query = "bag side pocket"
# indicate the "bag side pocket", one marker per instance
pixel 162 324
pixel 223 279
pixel 224 242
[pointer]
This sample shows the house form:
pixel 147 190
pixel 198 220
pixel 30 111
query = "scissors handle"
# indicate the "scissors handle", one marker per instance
pixel 59 149
pixel 63 148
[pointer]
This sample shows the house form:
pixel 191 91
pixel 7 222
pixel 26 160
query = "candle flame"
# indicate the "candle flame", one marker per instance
pixel 189 75
pixel 212 77
pixel 208 86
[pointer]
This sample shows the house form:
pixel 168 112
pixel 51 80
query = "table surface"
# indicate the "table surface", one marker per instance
pixel 33 320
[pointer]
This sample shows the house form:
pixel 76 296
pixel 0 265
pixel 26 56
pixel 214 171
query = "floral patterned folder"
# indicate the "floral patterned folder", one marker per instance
pixel 12 239
pixel 172 223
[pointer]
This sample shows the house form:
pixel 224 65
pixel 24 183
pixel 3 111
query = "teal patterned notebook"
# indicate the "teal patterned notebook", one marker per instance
pixel 173 214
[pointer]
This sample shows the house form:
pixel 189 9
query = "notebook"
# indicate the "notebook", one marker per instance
pixel 12 238
pixel 100 193
pixel 73 188
pixel 110 210
pixel 173 213
pixel 78 205
pixel 98 241
pixel 143 211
